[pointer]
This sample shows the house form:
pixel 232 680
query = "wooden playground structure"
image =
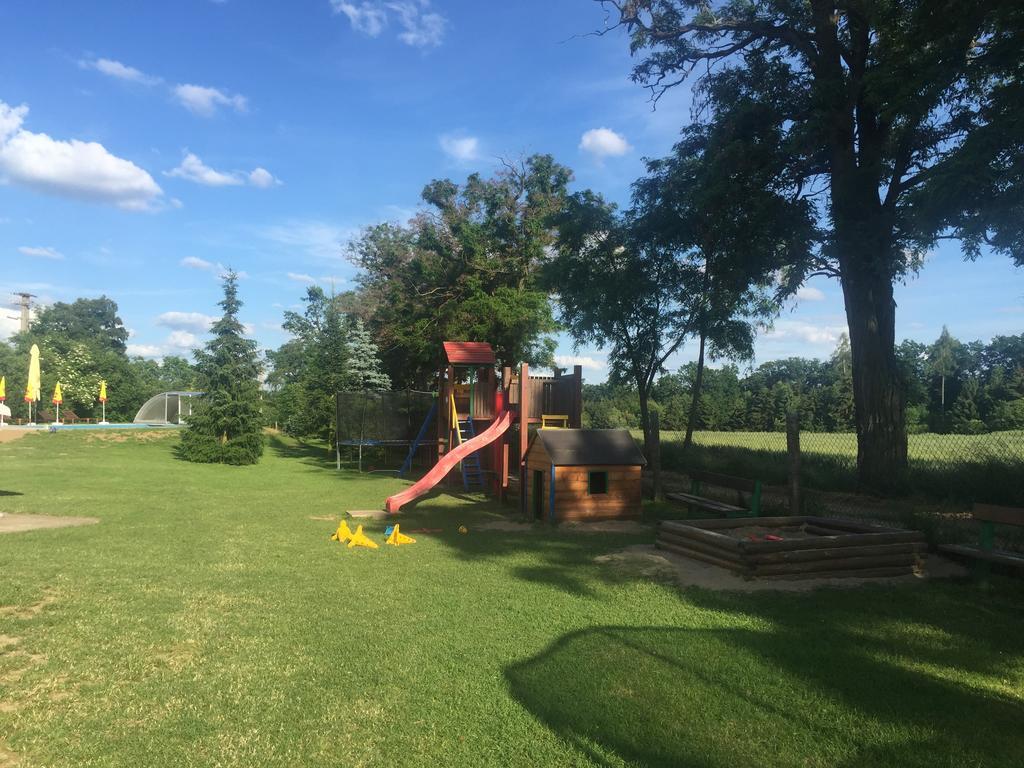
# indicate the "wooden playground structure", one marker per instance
pixel 471 394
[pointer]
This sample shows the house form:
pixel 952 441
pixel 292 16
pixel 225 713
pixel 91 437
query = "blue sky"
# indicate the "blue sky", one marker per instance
pixel 144 145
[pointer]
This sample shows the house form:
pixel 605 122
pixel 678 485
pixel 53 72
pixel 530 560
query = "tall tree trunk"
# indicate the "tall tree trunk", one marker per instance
pixel 698 386
pixel 651 451
pixel 877 394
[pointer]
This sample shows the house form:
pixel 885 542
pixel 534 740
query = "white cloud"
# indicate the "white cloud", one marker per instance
pixel 188 321
pixel 302 277
pixel 319 239
pixel 82 170
pixel 419 26
pixel 567 361
pixel 41 252
pixel 604 142
pixel 365 17
pixel 116 69
pixel 144 350
pixel 461 148
pixel 176 343
pixel 194 262
pixel 262 178
pixel 194 169
pixel 181 340
pixel 204 101
pixel 808 333
pixel 809 293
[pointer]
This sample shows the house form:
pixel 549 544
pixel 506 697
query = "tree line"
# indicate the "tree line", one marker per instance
pixel 950 387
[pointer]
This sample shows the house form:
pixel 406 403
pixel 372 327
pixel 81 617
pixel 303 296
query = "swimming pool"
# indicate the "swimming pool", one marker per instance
pixel 113 426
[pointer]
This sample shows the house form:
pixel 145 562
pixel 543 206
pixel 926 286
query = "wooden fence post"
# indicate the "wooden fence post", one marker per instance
pixel 655 457
pixel 793 449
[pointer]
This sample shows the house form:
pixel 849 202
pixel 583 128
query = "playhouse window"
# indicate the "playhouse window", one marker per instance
pixel 597 482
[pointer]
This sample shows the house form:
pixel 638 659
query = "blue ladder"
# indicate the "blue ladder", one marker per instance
pixel 407 464
pixel 472 472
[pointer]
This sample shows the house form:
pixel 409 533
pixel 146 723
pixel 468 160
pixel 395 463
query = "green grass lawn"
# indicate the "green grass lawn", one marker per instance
pixel 208 621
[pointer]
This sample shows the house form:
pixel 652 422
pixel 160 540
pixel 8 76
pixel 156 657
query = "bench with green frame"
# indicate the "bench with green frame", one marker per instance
pixel 985 553
pixel 699 478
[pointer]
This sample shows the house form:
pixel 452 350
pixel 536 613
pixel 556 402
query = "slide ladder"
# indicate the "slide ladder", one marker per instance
pixel 500 425
pixel 472 472
pixel 407 464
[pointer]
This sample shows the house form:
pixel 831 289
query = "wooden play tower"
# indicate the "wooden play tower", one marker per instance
pixel 471 395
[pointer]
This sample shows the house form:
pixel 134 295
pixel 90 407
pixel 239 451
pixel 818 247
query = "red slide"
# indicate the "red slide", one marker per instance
pixel 438 472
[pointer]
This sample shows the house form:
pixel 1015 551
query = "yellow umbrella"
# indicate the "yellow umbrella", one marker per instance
pixel 3 388
pixel 102 399
pixel 58 398
pixel 33 384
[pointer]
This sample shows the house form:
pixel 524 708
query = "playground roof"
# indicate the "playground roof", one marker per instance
pixel 469 353
pixel 577 447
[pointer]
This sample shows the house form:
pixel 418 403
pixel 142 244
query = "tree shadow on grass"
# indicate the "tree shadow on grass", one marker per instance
pixel 822 679
pixel 11 493
pixel 315 454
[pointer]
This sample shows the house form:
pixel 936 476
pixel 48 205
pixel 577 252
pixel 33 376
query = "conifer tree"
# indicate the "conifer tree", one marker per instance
pixel 364 364
pixel 226 426
pixel 966 419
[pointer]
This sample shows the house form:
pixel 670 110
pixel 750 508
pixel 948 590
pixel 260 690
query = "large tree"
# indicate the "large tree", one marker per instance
pixel 903 118
pixel 92 321
pixel 466 268
pixel 226 426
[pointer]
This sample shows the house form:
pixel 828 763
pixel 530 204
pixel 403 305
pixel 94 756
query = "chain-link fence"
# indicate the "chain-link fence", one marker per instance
pixel 947 473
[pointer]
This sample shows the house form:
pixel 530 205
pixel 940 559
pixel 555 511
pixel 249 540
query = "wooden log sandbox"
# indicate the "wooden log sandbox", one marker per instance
pixel 801 547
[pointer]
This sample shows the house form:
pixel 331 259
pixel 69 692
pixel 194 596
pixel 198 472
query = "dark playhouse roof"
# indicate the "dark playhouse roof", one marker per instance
pixel 576 447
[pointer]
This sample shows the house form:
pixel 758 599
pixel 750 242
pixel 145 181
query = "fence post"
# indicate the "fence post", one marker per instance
pixel 655 456
pixel 793 449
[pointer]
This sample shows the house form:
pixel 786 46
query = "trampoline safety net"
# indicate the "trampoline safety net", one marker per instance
pixel 381 418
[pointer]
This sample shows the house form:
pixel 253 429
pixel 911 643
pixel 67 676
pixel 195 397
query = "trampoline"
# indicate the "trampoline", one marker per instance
pixel 381 420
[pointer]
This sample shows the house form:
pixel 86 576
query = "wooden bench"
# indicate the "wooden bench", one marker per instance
pixel 699 478
pixel 985 553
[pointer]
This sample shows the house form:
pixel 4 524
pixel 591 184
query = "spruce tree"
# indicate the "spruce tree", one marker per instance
pixel 226 426
pixel 364 365
pixel 965 418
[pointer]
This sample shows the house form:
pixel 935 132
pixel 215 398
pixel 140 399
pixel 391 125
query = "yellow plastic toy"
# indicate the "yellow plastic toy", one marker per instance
pixel 343 534
pixel 360 539
pixel 398 539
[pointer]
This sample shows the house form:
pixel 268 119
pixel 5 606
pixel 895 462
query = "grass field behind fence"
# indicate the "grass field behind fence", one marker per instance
pixel 960 467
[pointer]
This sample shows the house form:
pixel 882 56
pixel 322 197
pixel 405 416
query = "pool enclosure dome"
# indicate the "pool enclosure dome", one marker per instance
pixel 167 408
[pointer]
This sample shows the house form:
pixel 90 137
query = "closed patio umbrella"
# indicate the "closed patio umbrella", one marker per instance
pixel 58 398
pixel 103 400
pixel 33 384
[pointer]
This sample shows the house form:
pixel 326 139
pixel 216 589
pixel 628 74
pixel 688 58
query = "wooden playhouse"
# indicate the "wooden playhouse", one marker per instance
pixel 583 474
